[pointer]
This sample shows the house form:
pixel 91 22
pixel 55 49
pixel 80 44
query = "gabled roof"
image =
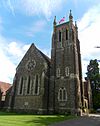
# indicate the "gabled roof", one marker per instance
pixel 4 87
pixel 9 90
pixel 45 57
pixel 32 47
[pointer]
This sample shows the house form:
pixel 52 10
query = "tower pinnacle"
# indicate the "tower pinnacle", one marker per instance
pixel 76 28
pixel 70 16
pixel 76 25
pixel 54 23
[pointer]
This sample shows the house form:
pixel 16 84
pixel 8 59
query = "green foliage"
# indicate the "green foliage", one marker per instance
pixel 96 99
pixel 12 119
pixel 94 77
pixel 93 74
pixel 93 69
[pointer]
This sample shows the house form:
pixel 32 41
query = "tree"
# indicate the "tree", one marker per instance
pixel 93 74
pixel 94 77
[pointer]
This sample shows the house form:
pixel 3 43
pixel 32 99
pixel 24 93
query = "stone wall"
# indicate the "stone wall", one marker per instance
pixel 32 101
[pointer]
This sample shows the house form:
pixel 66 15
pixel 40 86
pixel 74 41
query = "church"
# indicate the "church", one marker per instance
pixel 50 86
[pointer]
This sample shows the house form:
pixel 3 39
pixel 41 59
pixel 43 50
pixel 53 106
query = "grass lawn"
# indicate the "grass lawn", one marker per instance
pixel 11 119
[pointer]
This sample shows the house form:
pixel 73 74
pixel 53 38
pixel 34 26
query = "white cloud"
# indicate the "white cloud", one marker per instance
pixel 37 7
pixel 8 4
pixel 16 50
pixel 89 35
pixel 7 68
pixel 90 17
pixel 85 1
pixel 11 7
pixel 10 55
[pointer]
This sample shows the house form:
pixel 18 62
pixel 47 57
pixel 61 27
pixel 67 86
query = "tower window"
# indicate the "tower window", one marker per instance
pixel 36 84
pixel 58 72
pixel 28 87
pixel 67 71
pixel 21 86
pixel 62 94
pixel 59 36
pixel 66 34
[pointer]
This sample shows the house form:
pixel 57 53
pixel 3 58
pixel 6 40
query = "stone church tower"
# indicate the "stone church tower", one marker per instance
pixel 66 78
pixel 50 86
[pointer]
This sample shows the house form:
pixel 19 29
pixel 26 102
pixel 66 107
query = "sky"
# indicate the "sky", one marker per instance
pixel 23 22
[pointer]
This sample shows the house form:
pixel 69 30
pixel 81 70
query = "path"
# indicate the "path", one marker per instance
pixel 91 120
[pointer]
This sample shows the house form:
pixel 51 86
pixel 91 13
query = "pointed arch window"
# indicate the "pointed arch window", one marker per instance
pixel 58 72
pixel 42 77
pixel 67 71
pixel 28 86
pixel 60 36
pixel 66 34
pixel 62 94
pixel 21 85
pixel 37 85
